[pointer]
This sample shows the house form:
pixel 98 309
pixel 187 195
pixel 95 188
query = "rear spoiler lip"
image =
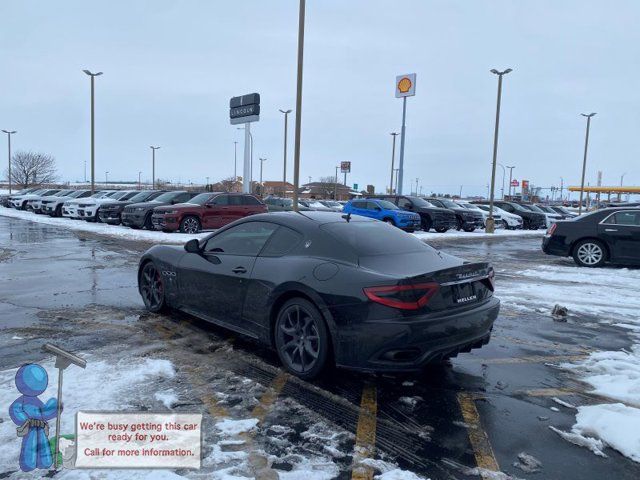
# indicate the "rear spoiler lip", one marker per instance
pixel 483 272
pixel 465 280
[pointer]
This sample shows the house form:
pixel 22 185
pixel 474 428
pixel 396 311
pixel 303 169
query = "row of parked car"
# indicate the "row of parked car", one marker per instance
pixel 191 212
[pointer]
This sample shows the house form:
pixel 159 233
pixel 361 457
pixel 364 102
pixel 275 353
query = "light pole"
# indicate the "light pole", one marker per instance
pixel 561 188
pixel 9 133
pixel 490 226
pixel 284 174
pixel 584 161
pixel 106 178
pixel 504 174
pixel 397 173
pixel 296 154
pixel 417 180
pixel 250 155
pixel 85 171
pixel 393 157
pixel 262 160
pixel 139 182
pixel 510 178
pixel 93 144
pixel 335 185
pixel 153 166
pixel 235 161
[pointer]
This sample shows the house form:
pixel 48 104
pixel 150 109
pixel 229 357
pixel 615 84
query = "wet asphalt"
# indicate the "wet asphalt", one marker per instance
pixel 483 409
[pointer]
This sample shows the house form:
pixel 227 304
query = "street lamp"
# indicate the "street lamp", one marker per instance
pixel 93 144
pixel 335 185
pixel 393 157
pixel 490 226
pixel 621 184
pixel 9 133
pixel 153 166
pixel 284 174
pixel 106 178
pixel 504 174
pixel 296 153
pixel 584 161
pixel 139 182
pixel 262 160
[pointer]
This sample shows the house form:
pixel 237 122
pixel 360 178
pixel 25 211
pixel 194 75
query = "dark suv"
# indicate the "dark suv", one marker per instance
pixel 530 220
pixel 138 215
pixel 206 211
pixel 111 212
pixel 440 219
pixel 467 220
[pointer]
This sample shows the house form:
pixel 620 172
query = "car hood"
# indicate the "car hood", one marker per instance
pixel 149 204
pixel 116 203
pixel 96 201
pixel 179 206
pixel 432 210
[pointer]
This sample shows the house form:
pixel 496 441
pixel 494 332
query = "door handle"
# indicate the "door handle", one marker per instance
pixel 239 270
pixel 610 230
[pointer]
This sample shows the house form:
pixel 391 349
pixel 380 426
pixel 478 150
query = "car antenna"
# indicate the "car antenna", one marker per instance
pixel 347 217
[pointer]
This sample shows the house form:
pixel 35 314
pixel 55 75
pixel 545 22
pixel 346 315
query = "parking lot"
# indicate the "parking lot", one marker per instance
pixel 484 412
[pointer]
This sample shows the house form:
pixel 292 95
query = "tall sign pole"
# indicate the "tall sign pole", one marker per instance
pixel 405 87
pixel 584 161
pixel 245 109
pixel 296 153
pixel 9 133
pixel 284 171
pixel 393 158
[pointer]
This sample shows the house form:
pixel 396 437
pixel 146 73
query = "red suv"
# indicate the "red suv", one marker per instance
pixel 206 211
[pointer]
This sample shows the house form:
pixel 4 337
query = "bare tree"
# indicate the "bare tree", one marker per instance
pixel 226 185
pixel 32 168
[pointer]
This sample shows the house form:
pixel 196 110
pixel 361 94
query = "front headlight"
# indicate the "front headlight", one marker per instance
pixel 139 209
pixel 170 212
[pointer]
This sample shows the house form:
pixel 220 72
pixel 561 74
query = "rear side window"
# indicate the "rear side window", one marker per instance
pixel 624 218
pixel 235 200
pixel 281 242
pixel 404 203
pixel 249 200
pixel 245 239
pixel 359 204
pixel 221 200
pixel 374 238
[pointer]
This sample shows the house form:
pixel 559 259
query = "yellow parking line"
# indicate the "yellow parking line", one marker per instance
pixel 477 436
pixel 531 359
pixel 547 392
pixel 269 397
pixel 366 432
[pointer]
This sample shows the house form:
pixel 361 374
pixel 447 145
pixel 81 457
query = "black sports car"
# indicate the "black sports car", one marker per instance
pixel 611 234
pixel 324 287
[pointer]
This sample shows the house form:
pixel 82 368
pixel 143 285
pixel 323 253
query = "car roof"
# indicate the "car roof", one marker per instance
pixel 302 218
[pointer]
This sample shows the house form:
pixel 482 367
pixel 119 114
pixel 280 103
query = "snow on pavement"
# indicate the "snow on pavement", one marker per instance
pixel 118 231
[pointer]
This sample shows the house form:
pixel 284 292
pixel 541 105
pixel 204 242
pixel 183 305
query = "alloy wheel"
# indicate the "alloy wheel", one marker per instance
pixel 190 225
pixel 299 339
pixel 151 288
pixel 590 253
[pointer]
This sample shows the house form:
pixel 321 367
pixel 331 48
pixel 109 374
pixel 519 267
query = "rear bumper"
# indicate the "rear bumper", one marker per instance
pixel 555 245
pixel 409 345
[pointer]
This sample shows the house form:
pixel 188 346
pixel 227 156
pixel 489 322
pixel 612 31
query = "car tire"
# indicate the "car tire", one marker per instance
pixel 147 222
pixel 506 225
pixel 299 320
pixel 469 229
pixel 151 288
pixel 441 229
pixel 427 224
pixel 190 224
pixel 589 253
pixel 390 221
pixel 459 222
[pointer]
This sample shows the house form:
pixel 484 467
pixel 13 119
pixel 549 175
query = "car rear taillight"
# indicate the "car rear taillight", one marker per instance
pixel 552 229
pixel 403 297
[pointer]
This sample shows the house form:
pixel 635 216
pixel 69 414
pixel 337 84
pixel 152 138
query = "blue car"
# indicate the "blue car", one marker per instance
pixel 385 211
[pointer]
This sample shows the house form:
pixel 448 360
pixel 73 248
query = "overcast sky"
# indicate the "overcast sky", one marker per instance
pixel 170 68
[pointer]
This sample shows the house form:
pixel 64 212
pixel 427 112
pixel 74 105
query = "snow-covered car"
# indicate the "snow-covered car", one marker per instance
pixel 52 206
pixel 35 204
pixel 551 218
pixel 485 213
pixel 332 204
pixel 88 209
pixel 20 201
pixel 70 207
pixel 4 198
pixel 510 221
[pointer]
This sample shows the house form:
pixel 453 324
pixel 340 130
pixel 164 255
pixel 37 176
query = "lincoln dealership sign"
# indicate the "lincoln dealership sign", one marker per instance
pixel 244 109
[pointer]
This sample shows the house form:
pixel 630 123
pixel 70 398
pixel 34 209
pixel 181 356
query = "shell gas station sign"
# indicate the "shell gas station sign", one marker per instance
pixel 406 85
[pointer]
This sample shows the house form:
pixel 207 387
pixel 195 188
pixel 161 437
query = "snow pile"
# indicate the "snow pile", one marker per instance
pixel 236 427
pixel 168 398
pixel 612 374
pixel 614 425
pixel 590 291
pixel 119 231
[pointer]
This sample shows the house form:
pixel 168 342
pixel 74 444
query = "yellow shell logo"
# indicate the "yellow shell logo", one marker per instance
pixel 404 85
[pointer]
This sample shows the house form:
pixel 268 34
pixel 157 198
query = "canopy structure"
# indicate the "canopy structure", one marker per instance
pixel 604 189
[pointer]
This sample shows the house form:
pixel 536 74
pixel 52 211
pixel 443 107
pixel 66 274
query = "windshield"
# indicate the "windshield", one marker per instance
pixel 536 209
pixel 200 199
pixel 420 202
pixel 315 205
pixel 77 193
pixel 468 206
pixel 167 197
pixel 374 238
pixel 449 203
pixel 387 205
pixel 63 193
pixel 546 209
pixel 118 195
pixel 141 197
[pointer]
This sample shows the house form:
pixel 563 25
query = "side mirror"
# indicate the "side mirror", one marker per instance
pixel 192 246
